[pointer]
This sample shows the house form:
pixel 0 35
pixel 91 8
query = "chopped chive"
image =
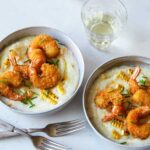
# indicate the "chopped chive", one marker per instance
pixel 28 101
pixel 20 92
pixel 35 93
pixel 123 143
pixel 26 61
pixel 118 100
pixel 144 77
pixel 59 42
pixel 27 83
pixel 32 105
pixel 3 81
pixel 26 51
pixel 33 97
pixel 125 93
pixel 142 82
pixel 112 120
pixel 53 61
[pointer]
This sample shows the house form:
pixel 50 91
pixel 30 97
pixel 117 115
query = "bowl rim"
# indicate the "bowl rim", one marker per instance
pixel 80 65
pixel 85 110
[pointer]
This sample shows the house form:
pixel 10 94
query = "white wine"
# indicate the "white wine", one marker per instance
pixel 102 29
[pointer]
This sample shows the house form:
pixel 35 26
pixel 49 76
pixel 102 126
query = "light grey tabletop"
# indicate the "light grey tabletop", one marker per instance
pixel 65 16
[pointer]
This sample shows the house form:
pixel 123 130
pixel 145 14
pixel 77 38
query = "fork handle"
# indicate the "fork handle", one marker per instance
pixel 22 132
pixel 32 130
pixel 7 134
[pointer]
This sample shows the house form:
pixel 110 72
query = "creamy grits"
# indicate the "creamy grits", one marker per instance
pixel 58 95
pixel 111 78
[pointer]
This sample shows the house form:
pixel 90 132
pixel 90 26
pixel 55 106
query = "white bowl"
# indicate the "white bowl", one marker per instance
pixel 63 38
pixel 129 60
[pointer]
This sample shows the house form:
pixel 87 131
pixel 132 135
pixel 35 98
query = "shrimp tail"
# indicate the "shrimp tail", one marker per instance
pixel 23 69
pixel 12 59
pixel 135 73
pixel 116 113
pixel 8 92
pixel 132 82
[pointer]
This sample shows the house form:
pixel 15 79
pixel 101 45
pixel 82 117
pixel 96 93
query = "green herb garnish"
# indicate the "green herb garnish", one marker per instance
pixel 128 103
pixel 112 120
pixel 28 101
pixel 19 91
pixel 58 42
pixel 27 83
pixel 26 51
pixel 53 61
pixel 123 143
pixel 35 93
pixel 143 81
pixel 3 81
pixel 26 61
pixel 126 93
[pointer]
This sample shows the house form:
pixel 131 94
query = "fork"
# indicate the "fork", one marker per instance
pixel 60 129
pixel 55 129
pixel 41 142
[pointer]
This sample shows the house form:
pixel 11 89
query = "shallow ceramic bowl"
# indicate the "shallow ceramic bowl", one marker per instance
pixel 63 38
pixel 129 60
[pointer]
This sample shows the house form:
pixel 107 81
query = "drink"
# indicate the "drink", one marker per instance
pixel 103 20
pixel 102 30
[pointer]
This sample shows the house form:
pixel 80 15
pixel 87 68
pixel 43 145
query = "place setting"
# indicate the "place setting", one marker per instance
pixel 42 70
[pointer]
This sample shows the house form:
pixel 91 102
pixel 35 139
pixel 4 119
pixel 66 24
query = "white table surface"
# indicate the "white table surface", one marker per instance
pixel 65 16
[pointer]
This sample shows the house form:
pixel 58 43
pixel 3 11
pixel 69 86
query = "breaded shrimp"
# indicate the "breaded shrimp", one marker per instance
pixel 140 96
pixel 23 69
pixel 47 44
pixel 134 126
pixel 49 77
pixel 106 98
pixel 37 57
pixel 132 82
pixel 8 80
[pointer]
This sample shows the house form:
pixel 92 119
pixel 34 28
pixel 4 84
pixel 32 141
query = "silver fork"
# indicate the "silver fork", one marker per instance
pixel 41 142
pixel 56 129
pixel 60 129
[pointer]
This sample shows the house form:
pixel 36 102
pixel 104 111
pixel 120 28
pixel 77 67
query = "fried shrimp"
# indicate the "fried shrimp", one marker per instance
pixel 106 98
pixel 132 82
pixel 48 78
pixel 37 57
pixel 134 126
pixel 140 96
pixel 23 69
pixel 8 80
pixel 47 44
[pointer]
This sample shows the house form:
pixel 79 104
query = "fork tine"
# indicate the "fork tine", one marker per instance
pixel 65 128
pixel 42 148
pixel 48 146
pixel 62 133
pixel 47 141
pixel 66 125
pixel 68 122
